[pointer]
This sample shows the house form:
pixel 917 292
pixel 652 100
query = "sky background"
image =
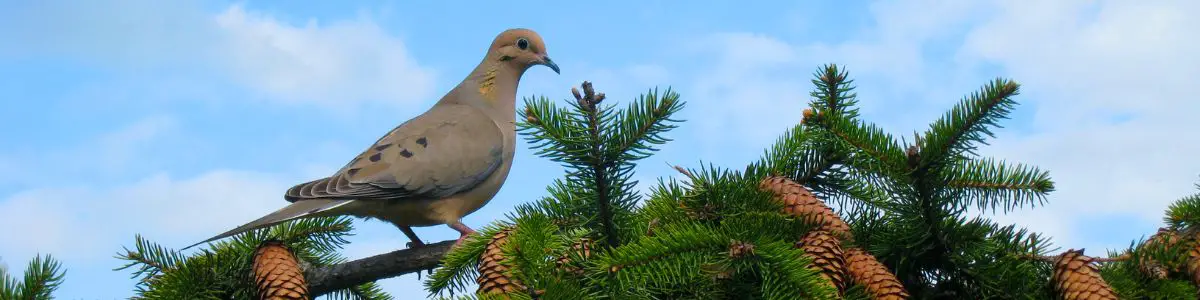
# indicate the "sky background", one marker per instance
pixel 181 119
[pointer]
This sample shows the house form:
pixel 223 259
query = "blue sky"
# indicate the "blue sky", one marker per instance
pixel 181 119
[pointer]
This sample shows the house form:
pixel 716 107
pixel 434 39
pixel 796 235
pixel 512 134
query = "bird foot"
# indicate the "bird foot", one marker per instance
pixel 461 239
pixel 463 232
pixel 414 244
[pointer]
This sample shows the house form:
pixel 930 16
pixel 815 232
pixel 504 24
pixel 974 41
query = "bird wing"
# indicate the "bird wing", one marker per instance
pixel 449 149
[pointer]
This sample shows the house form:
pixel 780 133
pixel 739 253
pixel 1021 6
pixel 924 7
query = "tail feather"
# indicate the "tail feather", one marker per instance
pixel 297 210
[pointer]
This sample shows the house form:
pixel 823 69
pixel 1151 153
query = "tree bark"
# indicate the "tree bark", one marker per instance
pixel 323 280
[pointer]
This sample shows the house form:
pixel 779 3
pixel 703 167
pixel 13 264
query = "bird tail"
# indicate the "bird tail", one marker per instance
pixel 296 210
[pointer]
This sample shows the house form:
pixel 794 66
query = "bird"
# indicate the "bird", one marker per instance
pixel 437 167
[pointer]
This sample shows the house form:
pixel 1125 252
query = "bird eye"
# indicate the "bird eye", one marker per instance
pixel 522 43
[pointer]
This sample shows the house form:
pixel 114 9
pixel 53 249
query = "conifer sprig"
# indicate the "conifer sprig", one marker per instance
pixel 871 149
pixel 223 271
pixel 1185 212
pixel 960 131
pixel 989 183
pixel 833 93
pixel 43 275
pixel 921 190
pixel 598 145
pixel 458 267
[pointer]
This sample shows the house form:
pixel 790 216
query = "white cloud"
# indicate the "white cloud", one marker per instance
pixel 331 64
pixel 107 153
pixel 83 226
pixel 119 147
pixel 1105 57
pixel 171 211
pixel 338 65
pixel 1083 65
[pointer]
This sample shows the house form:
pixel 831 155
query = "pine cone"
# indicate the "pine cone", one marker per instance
pixel 826 253
pixel 1076 278
pixel 1193 264
pixel 277 273
pixel 493 276
pixel 865 270
pixel 582 248
pixel 801 202
pixel 1163 238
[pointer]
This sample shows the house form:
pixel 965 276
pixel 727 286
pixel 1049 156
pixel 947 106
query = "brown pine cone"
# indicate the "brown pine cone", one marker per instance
pixel 801 202
pixel 277 273
pixel 826 253
pixel 1077 278
pixel 1193 264
pixel 493 276
pixel 865 270
pixel 1163 238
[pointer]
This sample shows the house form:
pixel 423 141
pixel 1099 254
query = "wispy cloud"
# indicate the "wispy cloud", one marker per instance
pixel 339 65
pixel 334 64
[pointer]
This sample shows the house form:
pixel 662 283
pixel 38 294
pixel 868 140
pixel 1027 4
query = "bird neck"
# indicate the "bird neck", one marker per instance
pixel 495 82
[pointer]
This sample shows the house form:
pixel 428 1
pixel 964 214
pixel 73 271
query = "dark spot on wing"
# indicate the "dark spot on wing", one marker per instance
pixel 381 147
pixel 423 142
pixel 376 157
pixel 405 153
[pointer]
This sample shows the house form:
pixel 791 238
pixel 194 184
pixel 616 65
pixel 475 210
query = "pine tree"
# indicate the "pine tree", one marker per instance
pixel 835 209
pixel 589 238
pixel 911 198
pixel 1167 264
pixel 42 277
pixel 733 233
pixel 227 269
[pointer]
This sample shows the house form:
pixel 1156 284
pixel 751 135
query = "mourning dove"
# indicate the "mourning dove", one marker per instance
pixel 435 168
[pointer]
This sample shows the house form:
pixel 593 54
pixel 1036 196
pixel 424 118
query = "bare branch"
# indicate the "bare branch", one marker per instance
pixel 323 280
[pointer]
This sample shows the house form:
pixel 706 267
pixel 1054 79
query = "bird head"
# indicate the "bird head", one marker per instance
pixel 522 48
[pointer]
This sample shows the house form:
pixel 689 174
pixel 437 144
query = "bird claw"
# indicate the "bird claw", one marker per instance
pixel 461 239
pixel 463 232
pixel 411 245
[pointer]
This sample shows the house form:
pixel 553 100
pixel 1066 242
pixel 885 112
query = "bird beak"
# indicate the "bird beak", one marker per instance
pixel 550 63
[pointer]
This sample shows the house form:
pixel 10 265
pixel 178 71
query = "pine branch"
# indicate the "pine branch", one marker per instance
pixel 786 274
pixel 224 269
pixel 598 163
pixel 459 265
pixel 42 277
pixel 797 154
pixel 1184 214
pixel 8 284
pixel 553 132
pixel 326 279
pixel 871 149
pixel 989 183
pixel 598 146
pixel 677 240
pixel 834 93
pixel 965 125
pixel 833 111
pixel 152 259
pixel 642 124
